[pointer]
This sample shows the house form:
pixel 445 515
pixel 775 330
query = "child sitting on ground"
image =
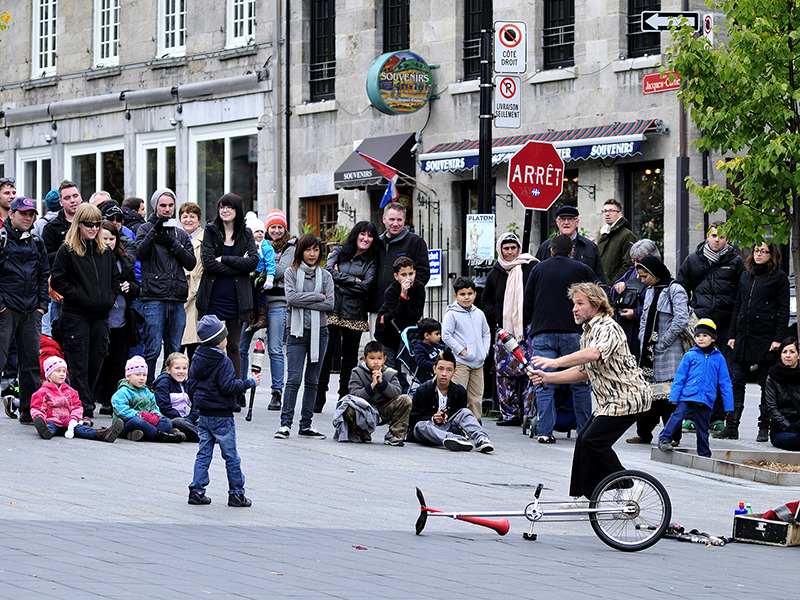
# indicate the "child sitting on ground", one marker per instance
pixel 701 373
pixel 173 392
pixel 215 389
pixel 427 347
pixel 376 383
pixel 135 404
pixel 57 410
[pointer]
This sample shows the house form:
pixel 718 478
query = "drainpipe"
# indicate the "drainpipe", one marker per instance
pixel 288 112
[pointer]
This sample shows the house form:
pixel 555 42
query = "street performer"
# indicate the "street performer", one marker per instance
pixel 619 388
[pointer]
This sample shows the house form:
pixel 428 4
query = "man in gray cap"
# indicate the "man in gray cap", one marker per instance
pixel 164 251
pixel 584 249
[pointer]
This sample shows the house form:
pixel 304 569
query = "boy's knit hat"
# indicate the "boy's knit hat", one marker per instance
pixel 135 365
pixel 706 326
pixel 51 364
pixel 211 330
pixel 276 217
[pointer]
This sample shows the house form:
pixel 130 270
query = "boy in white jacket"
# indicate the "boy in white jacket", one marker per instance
pixel 466 332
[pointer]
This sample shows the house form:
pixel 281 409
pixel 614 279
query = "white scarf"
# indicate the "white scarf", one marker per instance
pixel 515 287
pixel 298 314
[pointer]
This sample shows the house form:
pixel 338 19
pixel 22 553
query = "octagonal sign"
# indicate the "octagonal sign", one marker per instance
pixel 536 175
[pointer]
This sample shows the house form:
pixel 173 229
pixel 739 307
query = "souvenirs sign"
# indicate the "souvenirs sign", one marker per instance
pixel 399 83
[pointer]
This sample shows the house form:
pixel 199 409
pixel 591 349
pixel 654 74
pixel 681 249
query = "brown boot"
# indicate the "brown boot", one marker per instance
pixel 263 319
pixel 109 434
pixel 253 321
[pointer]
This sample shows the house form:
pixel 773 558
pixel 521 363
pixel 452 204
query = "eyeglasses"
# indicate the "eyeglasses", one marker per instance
pixel 610 210
pixel 114 218
pixel 760 251
pixel 225 207
pixel 5 180
pixel 91 224
pixel 566 219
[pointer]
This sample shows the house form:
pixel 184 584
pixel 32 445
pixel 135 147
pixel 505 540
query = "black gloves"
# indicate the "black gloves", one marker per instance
pixel 159 226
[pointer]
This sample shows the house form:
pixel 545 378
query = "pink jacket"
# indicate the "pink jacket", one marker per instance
pixel 56 405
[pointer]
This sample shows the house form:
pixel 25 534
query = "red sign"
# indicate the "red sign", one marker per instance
pixel 536 175
pixel 654 82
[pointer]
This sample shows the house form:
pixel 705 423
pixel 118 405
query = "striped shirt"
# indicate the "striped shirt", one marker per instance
pixel 617 383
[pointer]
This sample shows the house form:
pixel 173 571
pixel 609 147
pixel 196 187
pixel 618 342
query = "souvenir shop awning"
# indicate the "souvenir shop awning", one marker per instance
pixel 394 150
pixel 619 139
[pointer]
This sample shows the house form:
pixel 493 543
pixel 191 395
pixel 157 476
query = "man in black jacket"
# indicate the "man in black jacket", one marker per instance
pixel 711 276
pixel 164 252
pixel 395 242
pixel 585 250
pixel 24 271
pixel 439 413
pixel 548 310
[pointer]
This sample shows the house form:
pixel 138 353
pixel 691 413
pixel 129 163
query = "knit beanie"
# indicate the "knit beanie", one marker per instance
pixel 135 365
pixel 52 363
pixel 160 192
pixel 706 326
pixel 276 217
pixel 211 330
pixel 253 222
pixel 52 201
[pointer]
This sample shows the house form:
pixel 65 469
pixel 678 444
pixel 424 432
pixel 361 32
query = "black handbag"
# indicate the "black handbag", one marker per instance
pixel 134 320
pixel 631 298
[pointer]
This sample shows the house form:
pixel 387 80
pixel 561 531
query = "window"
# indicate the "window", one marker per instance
pixel 98 165
pixel 396 29
pixel 44 38
pixel 558 34
pixel 322 215
pixel 106 32
pixel 639 42
pixel 472 39
pixel 644 201
pixel 241 22
pixel 155 157
pixel 322 70
pixel 172 28
pixel 33 168
pixel 223 158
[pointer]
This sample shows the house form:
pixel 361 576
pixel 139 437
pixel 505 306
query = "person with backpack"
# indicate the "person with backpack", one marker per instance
pixel 24 299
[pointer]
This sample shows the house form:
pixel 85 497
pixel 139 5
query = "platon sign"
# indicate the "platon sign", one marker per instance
pixel 536 175
pixel 655 82
pixel 507 102
pixel 510 47
pixel 399 83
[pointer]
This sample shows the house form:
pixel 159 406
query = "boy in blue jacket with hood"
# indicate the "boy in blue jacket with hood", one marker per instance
pixel 215 389
pixel 702 371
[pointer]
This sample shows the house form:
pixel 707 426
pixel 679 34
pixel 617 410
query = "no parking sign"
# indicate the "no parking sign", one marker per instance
pixel 507 102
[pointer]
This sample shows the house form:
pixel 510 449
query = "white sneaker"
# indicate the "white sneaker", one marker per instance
pixel 282 433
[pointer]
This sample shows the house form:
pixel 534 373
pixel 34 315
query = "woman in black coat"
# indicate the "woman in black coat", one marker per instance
pixel 782 394
pixel 229 255
pixel 514 393
pixel 353 267
pixel 760 318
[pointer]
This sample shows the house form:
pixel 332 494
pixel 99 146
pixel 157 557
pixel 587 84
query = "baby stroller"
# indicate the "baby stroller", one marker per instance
pixel 565 412
pixel 406 354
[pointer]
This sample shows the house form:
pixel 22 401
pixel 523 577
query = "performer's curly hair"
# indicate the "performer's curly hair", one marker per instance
pixel 595 294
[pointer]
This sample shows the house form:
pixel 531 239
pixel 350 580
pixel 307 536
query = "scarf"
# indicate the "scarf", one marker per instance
pixel 298 314
pixel 650 338
pixel 712 256
pixel 512 300
pixel 785 375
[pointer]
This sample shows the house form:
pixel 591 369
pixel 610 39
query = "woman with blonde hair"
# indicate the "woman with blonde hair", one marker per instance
pixel 85 273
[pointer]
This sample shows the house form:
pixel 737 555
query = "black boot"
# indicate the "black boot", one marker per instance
pixel 170 438
pixel 275 403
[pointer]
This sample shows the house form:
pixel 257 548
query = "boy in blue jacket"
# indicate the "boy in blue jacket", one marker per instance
pixel 428 348
pixel 702 371
pixel 215 389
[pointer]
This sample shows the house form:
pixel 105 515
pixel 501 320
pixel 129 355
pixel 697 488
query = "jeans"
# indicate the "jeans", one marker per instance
pixel 223 431
pixel 149 431
pixel 701 415
pixel 138 349
pixel 26 330
pixel 275 338
pixel 553 345
pixel 165 321
pixel 85 347
pixel 786 440
pixel 81 431
pixel 298 357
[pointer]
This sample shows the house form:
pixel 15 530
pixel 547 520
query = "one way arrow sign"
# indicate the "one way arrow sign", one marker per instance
pixel 661 21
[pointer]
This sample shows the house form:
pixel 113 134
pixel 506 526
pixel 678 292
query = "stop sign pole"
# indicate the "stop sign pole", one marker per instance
pixel 536 179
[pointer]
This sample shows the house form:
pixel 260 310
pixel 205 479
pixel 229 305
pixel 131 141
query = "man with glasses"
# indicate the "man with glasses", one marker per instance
pixel 164 251
pixel 23 299
pixel 8 191
pixel 616 239
pixel 584 250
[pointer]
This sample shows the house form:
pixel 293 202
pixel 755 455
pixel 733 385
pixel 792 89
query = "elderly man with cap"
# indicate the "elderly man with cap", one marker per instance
pixel 584 249
pixel 23 297
pixel 164 251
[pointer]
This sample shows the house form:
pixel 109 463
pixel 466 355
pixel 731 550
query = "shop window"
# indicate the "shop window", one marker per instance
pixel 241 22
pixel 172 27
pixel 641 43
pixel 322 215
pixel 155 156
pixel 222 161
pixel 106 32
pixel 472 39
pixel 33 168
pixel 569 197
pixel 44 38
pixel 644 201
pixel 396 25
pixel 322 70
pixel 100 171
pixel 558 34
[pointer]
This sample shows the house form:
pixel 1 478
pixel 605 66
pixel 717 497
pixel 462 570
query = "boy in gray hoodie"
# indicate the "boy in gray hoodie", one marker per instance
pixel 376 383
pixel 466 332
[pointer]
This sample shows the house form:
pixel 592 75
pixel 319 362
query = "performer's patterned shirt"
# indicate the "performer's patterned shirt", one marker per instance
pixel 617 383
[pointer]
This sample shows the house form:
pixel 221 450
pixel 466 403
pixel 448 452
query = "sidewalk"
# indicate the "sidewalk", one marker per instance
pixel 84 519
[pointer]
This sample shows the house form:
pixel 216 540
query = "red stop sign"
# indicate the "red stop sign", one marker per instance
pixel 536 175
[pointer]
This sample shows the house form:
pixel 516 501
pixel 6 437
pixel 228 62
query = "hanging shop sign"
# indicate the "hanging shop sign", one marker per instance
pixel 399 83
